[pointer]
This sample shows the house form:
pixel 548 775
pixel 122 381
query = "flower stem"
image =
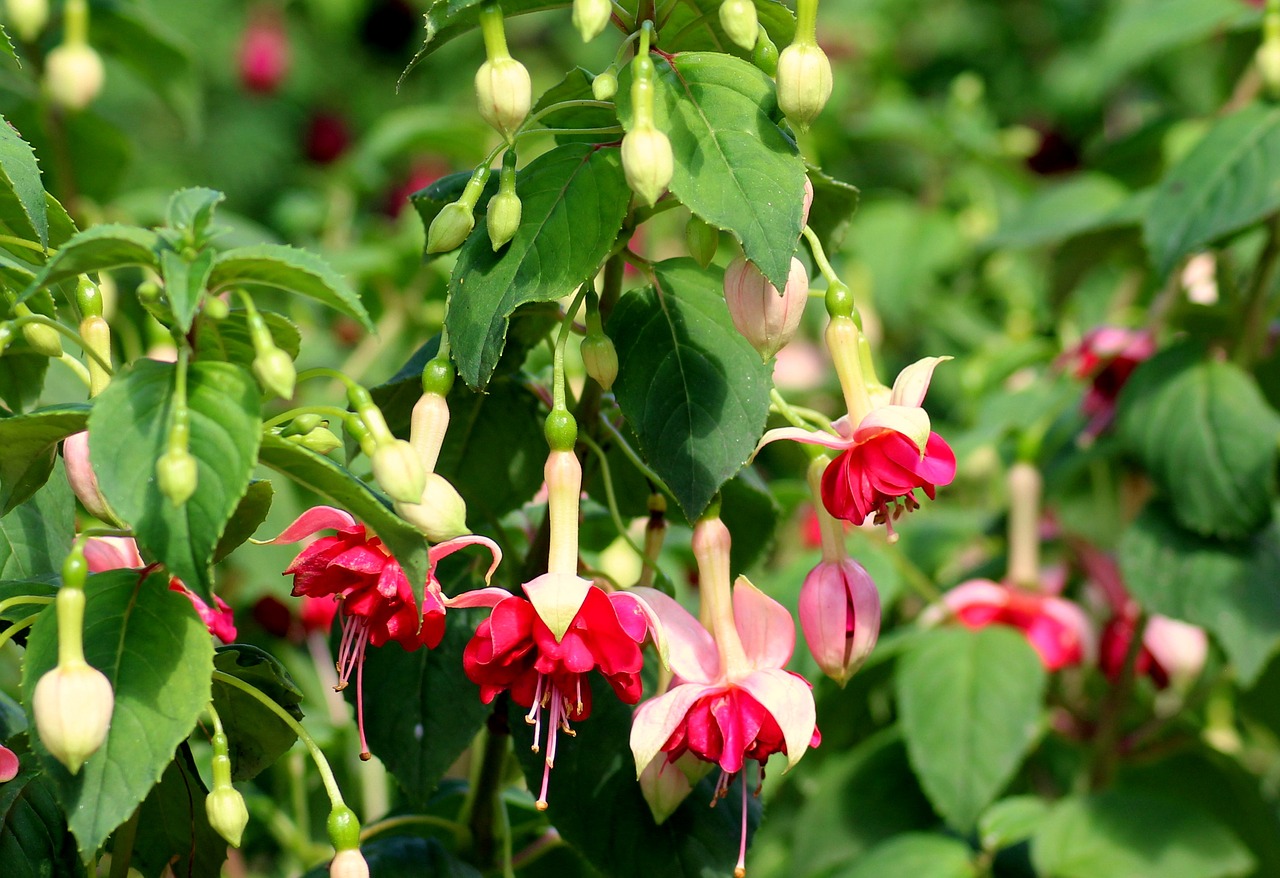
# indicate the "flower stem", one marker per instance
pixel 460 834
pixel 557 362
pixel 122 846
pixel 332 411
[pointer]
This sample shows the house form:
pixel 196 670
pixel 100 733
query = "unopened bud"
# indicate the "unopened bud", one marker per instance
pixel 605 85
pixel 275 371
pixel 740 23
pixel 1268 61
pixel 81 477
pixel 27 17
pixel 72 703
pixel 344 834
pixel 702 239
pixel 216 308
pixel 321 440
pixel 764 317
pixel 73 75
pixel 840 616
pixel 504 94
pixel 601 359
pixel 427 426
pixel 804 82
pixel 96 334
pixel 450 228
pixel 227 813
pixel 177 475
pixel 44 339
pixel 503 218
pixel 441 514
pixel 765 54
pixel 647 163
pixel 397 469
pixel 807 204
pixel 590 17
pixel 349 864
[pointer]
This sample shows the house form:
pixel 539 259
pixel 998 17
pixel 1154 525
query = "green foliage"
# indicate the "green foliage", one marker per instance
pixel 30 443
pixel 257 736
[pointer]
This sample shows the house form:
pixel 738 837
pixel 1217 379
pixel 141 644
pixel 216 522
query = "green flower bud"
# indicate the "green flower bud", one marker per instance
pixel 73 75
pixel 275 371
pixel 441 514
pixel 1267 60
pixel 765 54
pixel 44 339
pixel 397 469
pixel 590 17
pixel 740 23
pixel 344 829
pixel 601 359
pixel 72 705
pixel 216 308
pixel 302 424
pixel 647 163
pixel 321 440
pixel 437 376
pixel 176 472
pixel 605 84
pixel 450 228
pixel 88 297
pixel 227 813
pixel 702 239
pixel 561 430
pixel 503 218
pixel 804 82
pixel 504 94
pixel 27 17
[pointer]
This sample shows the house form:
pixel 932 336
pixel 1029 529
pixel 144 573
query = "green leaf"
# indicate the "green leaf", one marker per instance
pixel 22 379
pixel 1083 203
pixel 257 737
pixel 733 165
pixel 576 86
pixel 36 535
pixel 1205 432
pixel 446 19
pixel 250 512
pixel 229 339
pixel 289 269
pixel 751 513
pixel 575 197
pixel 834 204
pixel 421 710
pixel 160 58
pixel 96 249
pixel 918 854
pixel 33 835
pixel 694 26
pixel 1128 835
pixel 173 827
pixel 593 785
pixel 30 443
pixel 158 656
pixel 694 391
pixel 22 205
pixel 184 283
pixel 1011 821
pixel 128 432
pixel 6 46
pixel 1230 180
pixel 970 703
pixel 191 210
pixel 1233 589
pixel 340 486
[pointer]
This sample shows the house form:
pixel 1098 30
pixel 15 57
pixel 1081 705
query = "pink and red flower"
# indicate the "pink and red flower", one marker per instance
pixel 1107 356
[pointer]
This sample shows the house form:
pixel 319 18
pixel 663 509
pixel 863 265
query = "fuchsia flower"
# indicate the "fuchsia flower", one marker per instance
pixel 1107 356
pixel 264 52
pixel 731 698
pixel 121 553
pixel 377 602
pixel 886 444
pixel 8 764
pixel 1055 627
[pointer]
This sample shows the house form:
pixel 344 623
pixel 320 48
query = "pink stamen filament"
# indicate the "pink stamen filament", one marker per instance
pixel 534 716
pixel 740 870
pixel 355 638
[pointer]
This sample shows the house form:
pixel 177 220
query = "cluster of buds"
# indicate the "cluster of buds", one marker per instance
pixel 503 91
pixel 73 71
pixel 804 72
pixel 647 161
pixel 396 466
pixel 311 432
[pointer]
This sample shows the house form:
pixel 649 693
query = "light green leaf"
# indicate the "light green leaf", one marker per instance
pixel 970 703
pixel 1083 203
pixel 229 339
pixel 733 165
pixel 22 204
pixel 35 535
pixel 158 656
pixel 184 283
pixel 160 58
pixel 128 432
pixel 29 442
pixel 575 198
pixel 917 854
pixel 96 249
pixel 289 269
pixel 191 210
pixel 694 391
pixel 1011 821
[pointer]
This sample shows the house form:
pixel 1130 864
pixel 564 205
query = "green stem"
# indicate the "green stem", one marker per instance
pixel 806 22
pixel 460 834
pixel 122 846
pixel 495 40
pixel 820 256
pixel 322 765
pixel 17 628
pixel 326 372
pixel 1106 750
pixel 557 361
pixel 77 367
pixel 781 406
pixel 483 820
pixel 611 498
pixel 19 322
pixel 18 600
pixel 14 241
pixel 654 478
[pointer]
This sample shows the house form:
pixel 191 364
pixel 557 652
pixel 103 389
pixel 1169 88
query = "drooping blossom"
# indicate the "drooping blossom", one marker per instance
pixel 264 51
pixel 886 443
pixel 1055 627
pixel 541 647
pixel 121 553
pixel 731 699
pixel 1106 356
pixel 355 570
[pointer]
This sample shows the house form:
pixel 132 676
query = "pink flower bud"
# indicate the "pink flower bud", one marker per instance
pixel 840 616
pixel 349 864
pixel 73 75
pixel 80 475
pixel 808 202
pixel 72 707
pixel 264 53
pixel 8 765
pixel 764 317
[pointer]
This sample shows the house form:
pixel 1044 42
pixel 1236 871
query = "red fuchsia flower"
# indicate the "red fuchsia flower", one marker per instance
pixel 121 553
pixel 264 52
pixel 356 571
pixel 1107 356
pixel 886 443
pixel 1055 627
pixel 541 648
pixel 8 764
pixel 731 699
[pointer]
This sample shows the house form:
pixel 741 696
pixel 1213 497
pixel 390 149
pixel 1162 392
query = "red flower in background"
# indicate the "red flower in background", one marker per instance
pixel 1107 356
pixel 264 51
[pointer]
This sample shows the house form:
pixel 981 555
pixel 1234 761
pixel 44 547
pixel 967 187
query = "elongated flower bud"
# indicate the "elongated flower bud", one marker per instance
pixel 27 18
pixel 397 469
pixel 450 228
pixel 740 23
pixel 840 615
pixel 807 204
pixel 503 217
pixel 224 805
pixel 177 475
pixel 428 424
pixel 344 833
pixel 43 339
pixel 349 864
pixel 321 440
pixel 81 477
pixel 601 359
pixel 73 75
pixel 276 372
pixel 97 338
pixel 590 17
pixel 504 94
pixel 764 317
pixel 804 82
pixel 702 239
pixel 441 514
pixel 765 54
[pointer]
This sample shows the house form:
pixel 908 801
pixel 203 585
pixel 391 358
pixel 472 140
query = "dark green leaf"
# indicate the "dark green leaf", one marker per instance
pixel 250 512
pixel 36 536
pixel 1205 432
pixel 1128 835
pixel 22 205
pixel 1233 589
pixel 970 703
pixel 158 656
pixel 22 379
pixel 834 204
pixel 256 735
pixel 173 828
pixel 33 835
pixel 751 514
pixel 1230 180
pixel 98 248
pixel 421 711
pixel 290 269
pixel 14 588
pixel 229 338
pixel 1081 203
pixel 694 391
pixel 695 26
pixel 184 283
pixel 155 55
pixel 446 19
pixel 335 482
pixel 575 197
pixel 6 46
pixel 918 854
pixel 29 442
pixel 128 432
pixel 733 165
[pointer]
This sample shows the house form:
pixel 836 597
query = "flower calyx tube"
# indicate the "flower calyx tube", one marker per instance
pixel 440 513
pixel 73 71
pixel 647 161
pixel 503 216
pixel 804 71
pixel 72 703
pixel 96 334
pixel 176 471
pixel 504 92
pixel 455 221
pixel 224 805
pixel 82 478
pixel 1267 58
pixel 273 368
